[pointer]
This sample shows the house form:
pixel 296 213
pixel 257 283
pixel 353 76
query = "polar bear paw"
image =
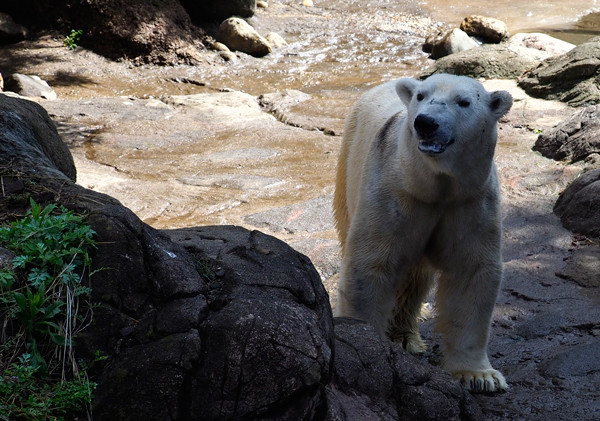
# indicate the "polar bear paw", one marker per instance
pixel 482 381
pixel 411 341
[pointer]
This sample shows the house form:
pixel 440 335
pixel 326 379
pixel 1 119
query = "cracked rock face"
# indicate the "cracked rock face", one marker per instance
pixel 571 77
pixel 579 205
pixel 575 139
pixel 501 61
pixel 267 335
pixel 375 376
pixel 29 138
pixel 218 322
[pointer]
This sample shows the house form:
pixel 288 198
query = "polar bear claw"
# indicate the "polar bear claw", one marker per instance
pixel 484 381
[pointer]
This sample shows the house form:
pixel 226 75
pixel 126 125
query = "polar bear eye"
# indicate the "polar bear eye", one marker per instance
pixel 464 103
pixel 420 97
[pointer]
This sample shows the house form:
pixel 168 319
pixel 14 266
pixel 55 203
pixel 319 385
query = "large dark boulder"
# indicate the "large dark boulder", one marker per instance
pixel 373 376
pixel 571 77
pixel 579 205
pixel 211 10
pixel 501 61
pixel 574 139
pixel 28 138
pixel 267 335
pixel 214 323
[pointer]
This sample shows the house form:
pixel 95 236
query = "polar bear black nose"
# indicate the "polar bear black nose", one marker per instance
pixel 425 125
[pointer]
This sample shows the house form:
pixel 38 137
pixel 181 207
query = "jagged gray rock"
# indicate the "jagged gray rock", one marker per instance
pixel 571 77
pixel 28 138
pixel 579 205
pixel 574 139
pixel 502 61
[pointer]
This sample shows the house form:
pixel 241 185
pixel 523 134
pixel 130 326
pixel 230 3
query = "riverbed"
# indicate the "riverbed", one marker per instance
pixel 258 148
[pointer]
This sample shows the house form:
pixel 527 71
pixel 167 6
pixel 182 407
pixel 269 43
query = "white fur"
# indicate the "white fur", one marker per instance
pixel 405 216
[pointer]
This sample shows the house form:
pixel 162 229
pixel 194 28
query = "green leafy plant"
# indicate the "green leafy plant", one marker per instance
pixel 44 303
pixel 24 397
pixel 205 269
pixel 73 39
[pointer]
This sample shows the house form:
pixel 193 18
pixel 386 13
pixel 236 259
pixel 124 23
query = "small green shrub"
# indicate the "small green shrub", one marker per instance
pixel 24 397
pixel 73 39
pixel 44 303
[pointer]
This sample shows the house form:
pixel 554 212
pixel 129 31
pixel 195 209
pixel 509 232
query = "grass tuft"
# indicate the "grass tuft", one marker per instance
pixel 44 304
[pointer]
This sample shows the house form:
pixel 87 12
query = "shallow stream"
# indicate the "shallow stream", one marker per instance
pixel 340 45
pixel 336 50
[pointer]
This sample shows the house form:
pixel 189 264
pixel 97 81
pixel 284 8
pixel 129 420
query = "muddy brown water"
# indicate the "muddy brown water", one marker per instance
pixel 336 46
pixel 572 21
pixel 518 15
pixel 336 50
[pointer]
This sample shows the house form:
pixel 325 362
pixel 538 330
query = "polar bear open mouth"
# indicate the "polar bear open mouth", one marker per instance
pixel 434 147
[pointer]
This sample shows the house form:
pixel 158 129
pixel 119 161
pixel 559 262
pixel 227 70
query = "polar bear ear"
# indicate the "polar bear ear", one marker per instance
pixel 500 103
pixel 405 88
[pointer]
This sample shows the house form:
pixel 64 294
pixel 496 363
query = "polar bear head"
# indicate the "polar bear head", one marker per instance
pixel 449 115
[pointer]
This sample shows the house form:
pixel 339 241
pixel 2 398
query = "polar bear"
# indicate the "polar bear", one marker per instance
pixel 417 199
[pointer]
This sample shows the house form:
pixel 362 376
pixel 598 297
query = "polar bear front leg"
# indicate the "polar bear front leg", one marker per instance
pixel 464 315
pixel 404 325
pixel 368 276
pixel 365 292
